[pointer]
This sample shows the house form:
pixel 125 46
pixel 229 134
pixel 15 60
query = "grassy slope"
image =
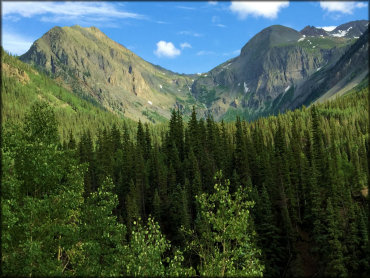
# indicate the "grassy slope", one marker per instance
pixel 22 85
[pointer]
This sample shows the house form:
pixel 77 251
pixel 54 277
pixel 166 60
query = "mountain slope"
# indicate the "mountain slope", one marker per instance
pixel 22 85
pixel 353 29
pixel 270 66
pixel 331 81
pixel 91 64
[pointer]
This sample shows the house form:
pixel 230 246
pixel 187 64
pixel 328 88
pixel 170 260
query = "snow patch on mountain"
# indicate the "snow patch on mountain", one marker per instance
pixel 342 33
pixel 246 89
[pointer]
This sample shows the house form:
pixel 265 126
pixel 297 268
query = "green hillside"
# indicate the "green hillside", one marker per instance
pixel 22 85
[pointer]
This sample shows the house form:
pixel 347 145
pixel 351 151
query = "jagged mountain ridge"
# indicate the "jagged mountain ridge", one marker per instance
pixel 353 29
pixel 270 67
pixel 262 80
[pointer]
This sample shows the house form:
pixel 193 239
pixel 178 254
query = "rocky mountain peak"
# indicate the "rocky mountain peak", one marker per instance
pixel 312 31
pixel 270 36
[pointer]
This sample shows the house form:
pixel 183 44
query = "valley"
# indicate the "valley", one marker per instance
pixel 114 166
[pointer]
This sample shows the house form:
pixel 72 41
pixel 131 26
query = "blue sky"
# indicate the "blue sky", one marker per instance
pixel 185 37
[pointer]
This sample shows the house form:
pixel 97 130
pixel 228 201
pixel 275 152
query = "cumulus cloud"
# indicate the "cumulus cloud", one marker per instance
pixel 185 45
pixel 75 11
pixel 342 7
pixel 166 49
pixel 15 43
pixel 257 9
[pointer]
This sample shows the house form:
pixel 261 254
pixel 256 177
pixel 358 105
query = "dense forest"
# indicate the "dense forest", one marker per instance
pixel 285 195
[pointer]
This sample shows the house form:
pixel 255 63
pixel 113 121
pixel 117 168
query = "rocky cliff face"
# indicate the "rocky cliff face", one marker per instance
pixel 91 64
pixel 271 65
pixel 335 79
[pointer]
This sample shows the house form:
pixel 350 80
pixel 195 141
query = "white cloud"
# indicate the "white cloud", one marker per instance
pixel 67 10
pixel 341 7
pixel 185 45
pixel 205 52
pixel 361 5
pixel 15 44
pixel 212 3
pixel 256 9
pixel 328 28
pixel 220 25
pixel 166 49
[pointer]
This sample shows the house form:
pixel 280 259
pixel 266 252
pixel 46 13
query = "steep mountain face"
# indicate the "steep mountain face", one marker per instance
pixel 270 66
pixel 336 79
pixel 91 64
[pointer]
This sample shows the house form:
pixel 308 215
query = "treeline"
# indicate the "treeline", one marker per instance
pixel 281 196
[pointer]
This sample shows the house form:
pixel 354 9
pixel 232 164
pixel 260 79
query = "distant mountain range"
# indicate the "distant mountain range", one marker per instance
pixel 278 69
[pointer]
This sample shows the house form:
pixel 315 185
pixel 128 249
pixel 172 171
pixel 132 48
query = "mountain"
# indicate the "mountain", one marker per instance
pixel 312 31
pixel 353 29
pixel 276 70
pixel 263 78
pixel 86 61
pixel 334 80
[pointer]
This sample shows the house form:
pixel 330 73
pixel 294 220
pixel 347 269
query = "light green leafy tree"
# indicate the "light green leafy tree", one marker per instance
pixel 102 236
pixel 41 201
pixel 145 253
pixel 225 243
